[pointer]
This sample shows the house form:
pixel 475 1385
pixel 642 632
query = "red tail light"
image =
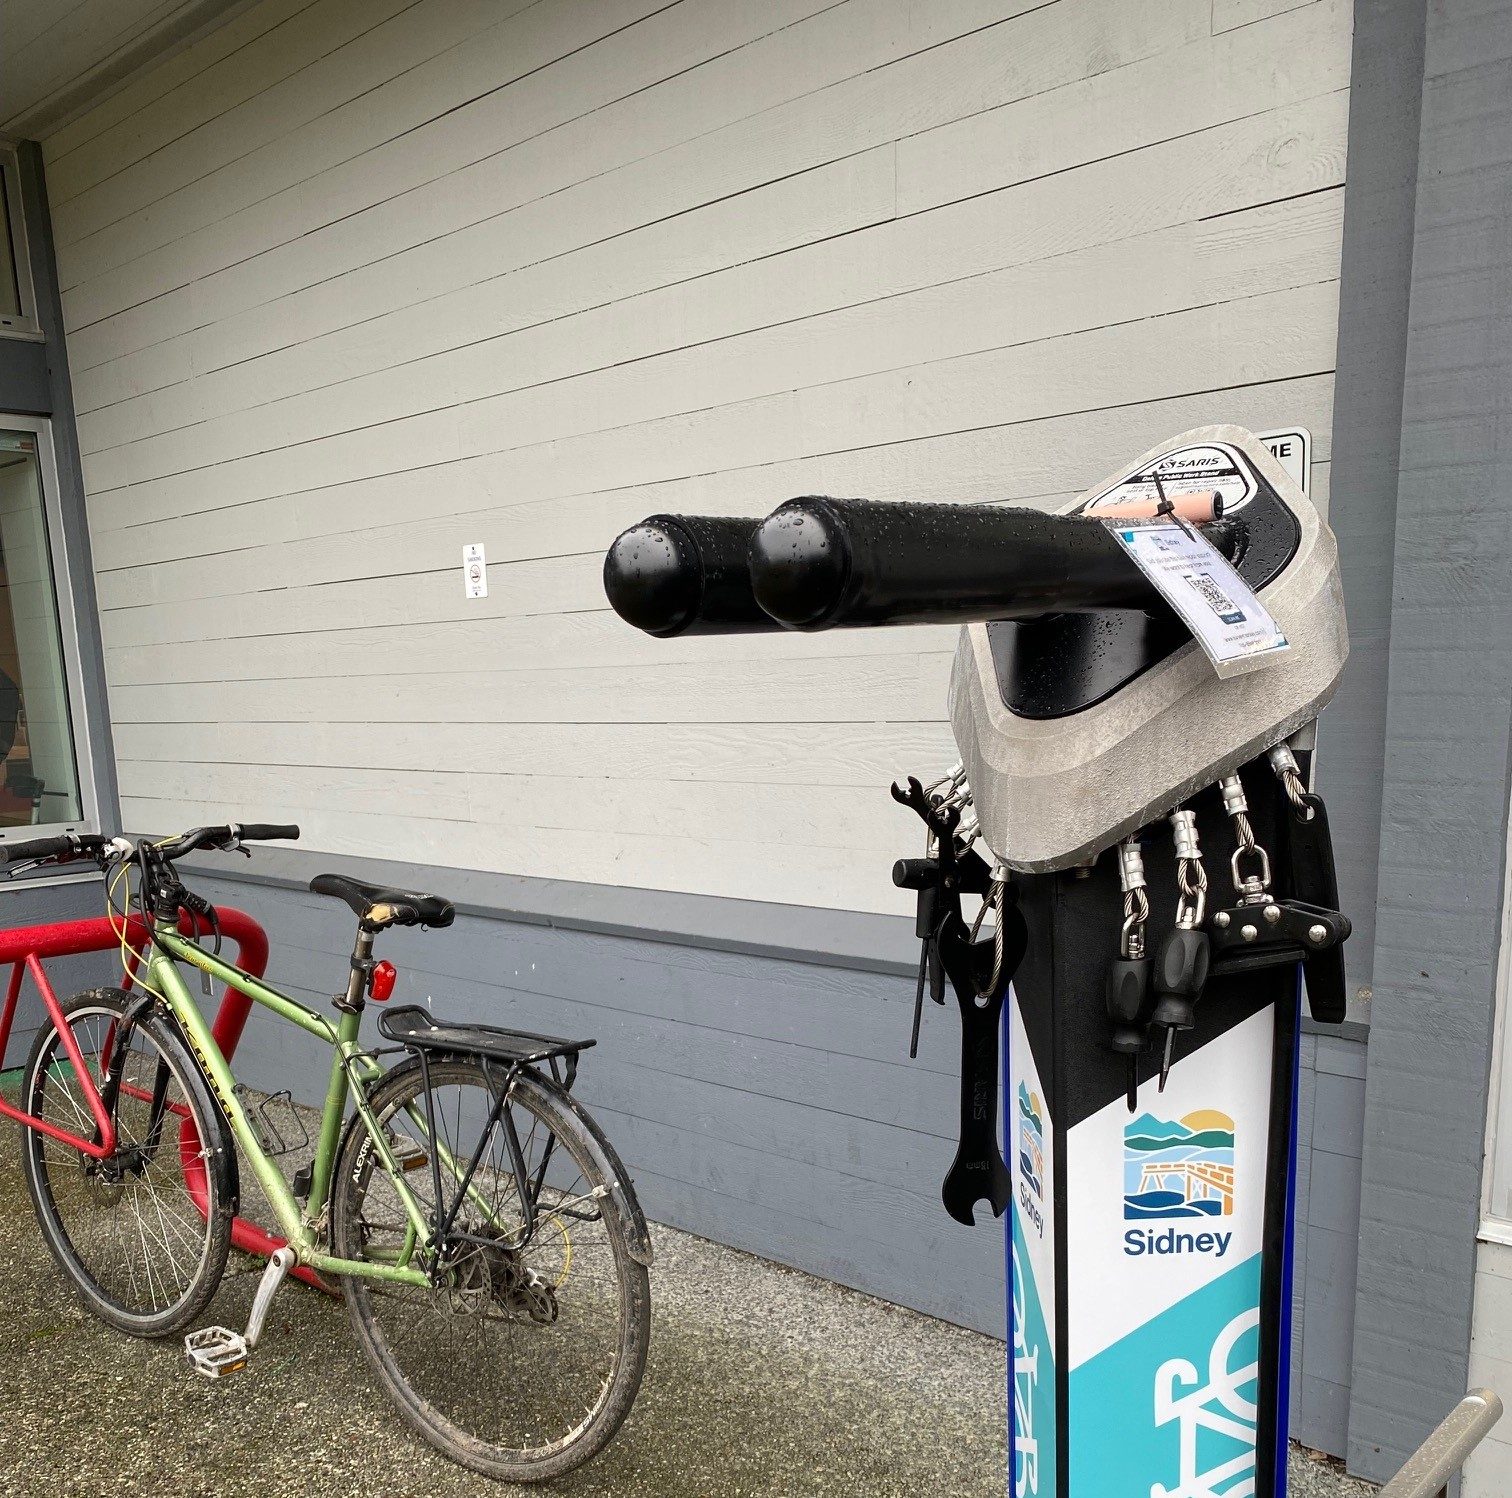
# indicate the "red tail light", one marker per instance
pixel 381 986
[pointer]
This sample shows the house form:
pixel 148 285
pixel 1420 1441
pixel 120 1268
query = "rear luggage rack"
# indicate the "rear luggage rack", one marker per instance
pixel 416 1029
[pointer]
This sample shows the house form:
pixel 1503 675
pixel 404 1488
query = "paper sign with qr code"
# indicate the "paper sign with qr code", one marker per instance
pixel 1235 630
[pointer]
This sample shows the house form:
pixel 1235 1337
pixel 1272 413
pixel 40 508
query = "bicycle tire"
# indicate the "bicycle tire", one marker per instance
pixel 420 1407
pixel 78 1209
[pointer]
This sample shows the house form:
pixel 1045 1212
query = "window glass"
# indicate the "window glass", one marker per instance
pixel 39 780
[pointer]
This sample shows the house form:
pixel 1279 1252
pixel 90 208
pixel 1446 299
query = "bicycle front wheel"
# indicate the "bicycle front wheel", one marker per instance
pixel 144 1234
pixel 523 1358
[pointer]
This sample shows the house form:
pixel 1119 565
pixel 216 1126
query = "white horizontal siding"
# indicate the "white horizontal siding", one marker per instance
pixel 350 285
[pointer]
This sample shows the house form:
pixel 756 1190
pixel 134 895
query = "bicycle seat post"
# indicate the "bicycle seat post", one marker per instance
pixel 351 1002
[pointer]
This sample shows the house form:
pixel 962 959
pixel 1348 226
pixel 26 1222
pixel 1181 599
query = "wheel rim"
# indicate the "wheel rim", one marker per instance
pixel 133 1233
pixel 515 1348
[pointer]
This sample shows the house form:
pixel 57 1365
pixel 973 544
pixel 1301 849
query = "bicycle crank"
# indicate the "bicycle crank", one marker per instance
pixel 217 1351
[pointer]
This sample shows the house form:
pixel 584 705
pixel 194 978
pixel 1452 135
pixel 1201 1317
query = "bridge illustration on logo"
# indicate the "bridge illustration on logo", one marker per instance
pixel 1031 1140
pixel 1225 1408
pixel 1179 1167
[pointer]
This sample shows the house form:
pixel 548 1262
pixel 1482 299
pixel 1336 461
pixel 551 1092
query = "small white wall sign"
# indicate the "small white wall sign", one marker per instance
pixel 475 570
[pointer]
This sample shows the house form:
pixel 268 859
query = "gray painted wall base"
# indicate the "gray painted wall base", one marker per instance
pixel 1330 1107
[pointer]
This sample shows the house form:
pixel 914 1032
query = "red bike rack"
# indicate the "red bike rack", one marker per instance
pixel 26 948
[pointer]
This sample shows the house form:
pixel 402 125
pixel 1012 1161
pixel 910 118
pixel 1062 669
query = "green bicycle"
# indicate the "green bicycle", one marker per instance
pixel 487 1240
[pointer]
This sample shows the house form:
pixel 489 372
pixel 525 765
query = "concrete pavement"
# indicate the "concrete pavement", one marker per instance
pixel 762 1383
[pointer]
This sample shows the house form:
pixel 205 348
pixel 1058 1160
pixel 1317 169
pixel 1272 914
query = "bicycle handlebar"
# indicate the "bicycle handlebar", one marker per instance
pixel 226 837
pixel 70 846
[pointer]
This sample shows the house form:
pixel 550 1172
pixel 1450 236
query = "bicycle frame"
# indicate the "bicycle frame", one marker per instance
pixel 350 1067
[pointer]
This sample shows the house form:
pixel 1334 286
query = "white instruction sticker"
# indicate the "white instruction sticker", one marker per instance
pixel 475 570
pixel 1204 468
pixel 1225 617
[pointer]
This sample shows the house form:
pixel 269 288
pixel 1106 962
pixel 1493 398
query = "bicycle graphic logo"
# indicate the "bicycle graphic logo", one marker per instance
pixel 1220 1407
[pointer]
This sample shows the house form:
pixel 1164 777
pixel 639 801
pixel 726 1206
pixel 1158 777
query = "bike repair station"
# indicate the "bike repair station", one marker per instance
pixel 1133 698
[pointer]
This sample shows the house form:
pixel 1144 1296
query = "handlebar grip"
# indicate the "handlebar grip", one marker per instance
pixel 685 574
pixel 65 847
pixel 817 563
pixel 37 847
pixel 267 832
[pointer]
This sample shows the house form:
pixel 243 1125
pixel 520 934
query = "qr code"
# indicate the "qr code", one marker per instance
pixel 1215 598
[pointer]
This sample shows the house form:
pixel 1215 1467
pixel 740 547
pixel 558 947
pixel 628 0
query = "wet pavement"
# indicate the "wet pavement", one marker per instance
pixel 761 1381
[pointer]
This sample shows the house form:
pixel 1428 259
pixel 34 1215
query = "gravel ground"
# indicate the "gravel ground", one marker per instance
pixel 761 1381
pixel 1322 1478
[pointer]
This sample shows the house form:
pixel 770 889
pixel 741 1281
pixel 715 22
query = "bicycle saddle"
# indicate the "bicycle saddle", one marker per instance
pixel 379 906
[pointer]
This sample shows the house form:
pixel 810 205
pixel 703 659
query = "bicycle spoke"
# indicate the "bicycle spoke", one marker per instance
pixel 519 1340
pixel 130 1231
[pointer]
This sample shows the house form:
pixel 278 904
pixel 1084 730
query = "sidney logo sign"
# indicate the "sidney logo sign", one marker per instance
pixel 1179 1169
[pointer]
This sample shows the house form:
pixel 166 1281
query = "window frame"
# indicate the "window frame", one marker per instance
pixel 61 559
pixel 26 325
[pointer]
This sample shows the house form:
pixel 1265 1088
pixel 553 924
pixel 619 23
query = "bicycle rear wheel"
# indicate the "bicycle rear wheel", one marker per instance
pixel 144 1234
pixel 524 1359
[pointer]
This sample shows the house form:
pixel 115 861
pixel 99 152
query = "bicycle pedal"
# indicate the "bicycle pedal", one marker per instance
pixel 216 1351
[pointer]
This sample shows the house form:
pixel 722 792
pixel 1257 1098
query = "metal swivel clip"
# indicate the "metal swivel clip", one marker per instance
pixel 1181 968
pixel 1252 888
pixel 1128 990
